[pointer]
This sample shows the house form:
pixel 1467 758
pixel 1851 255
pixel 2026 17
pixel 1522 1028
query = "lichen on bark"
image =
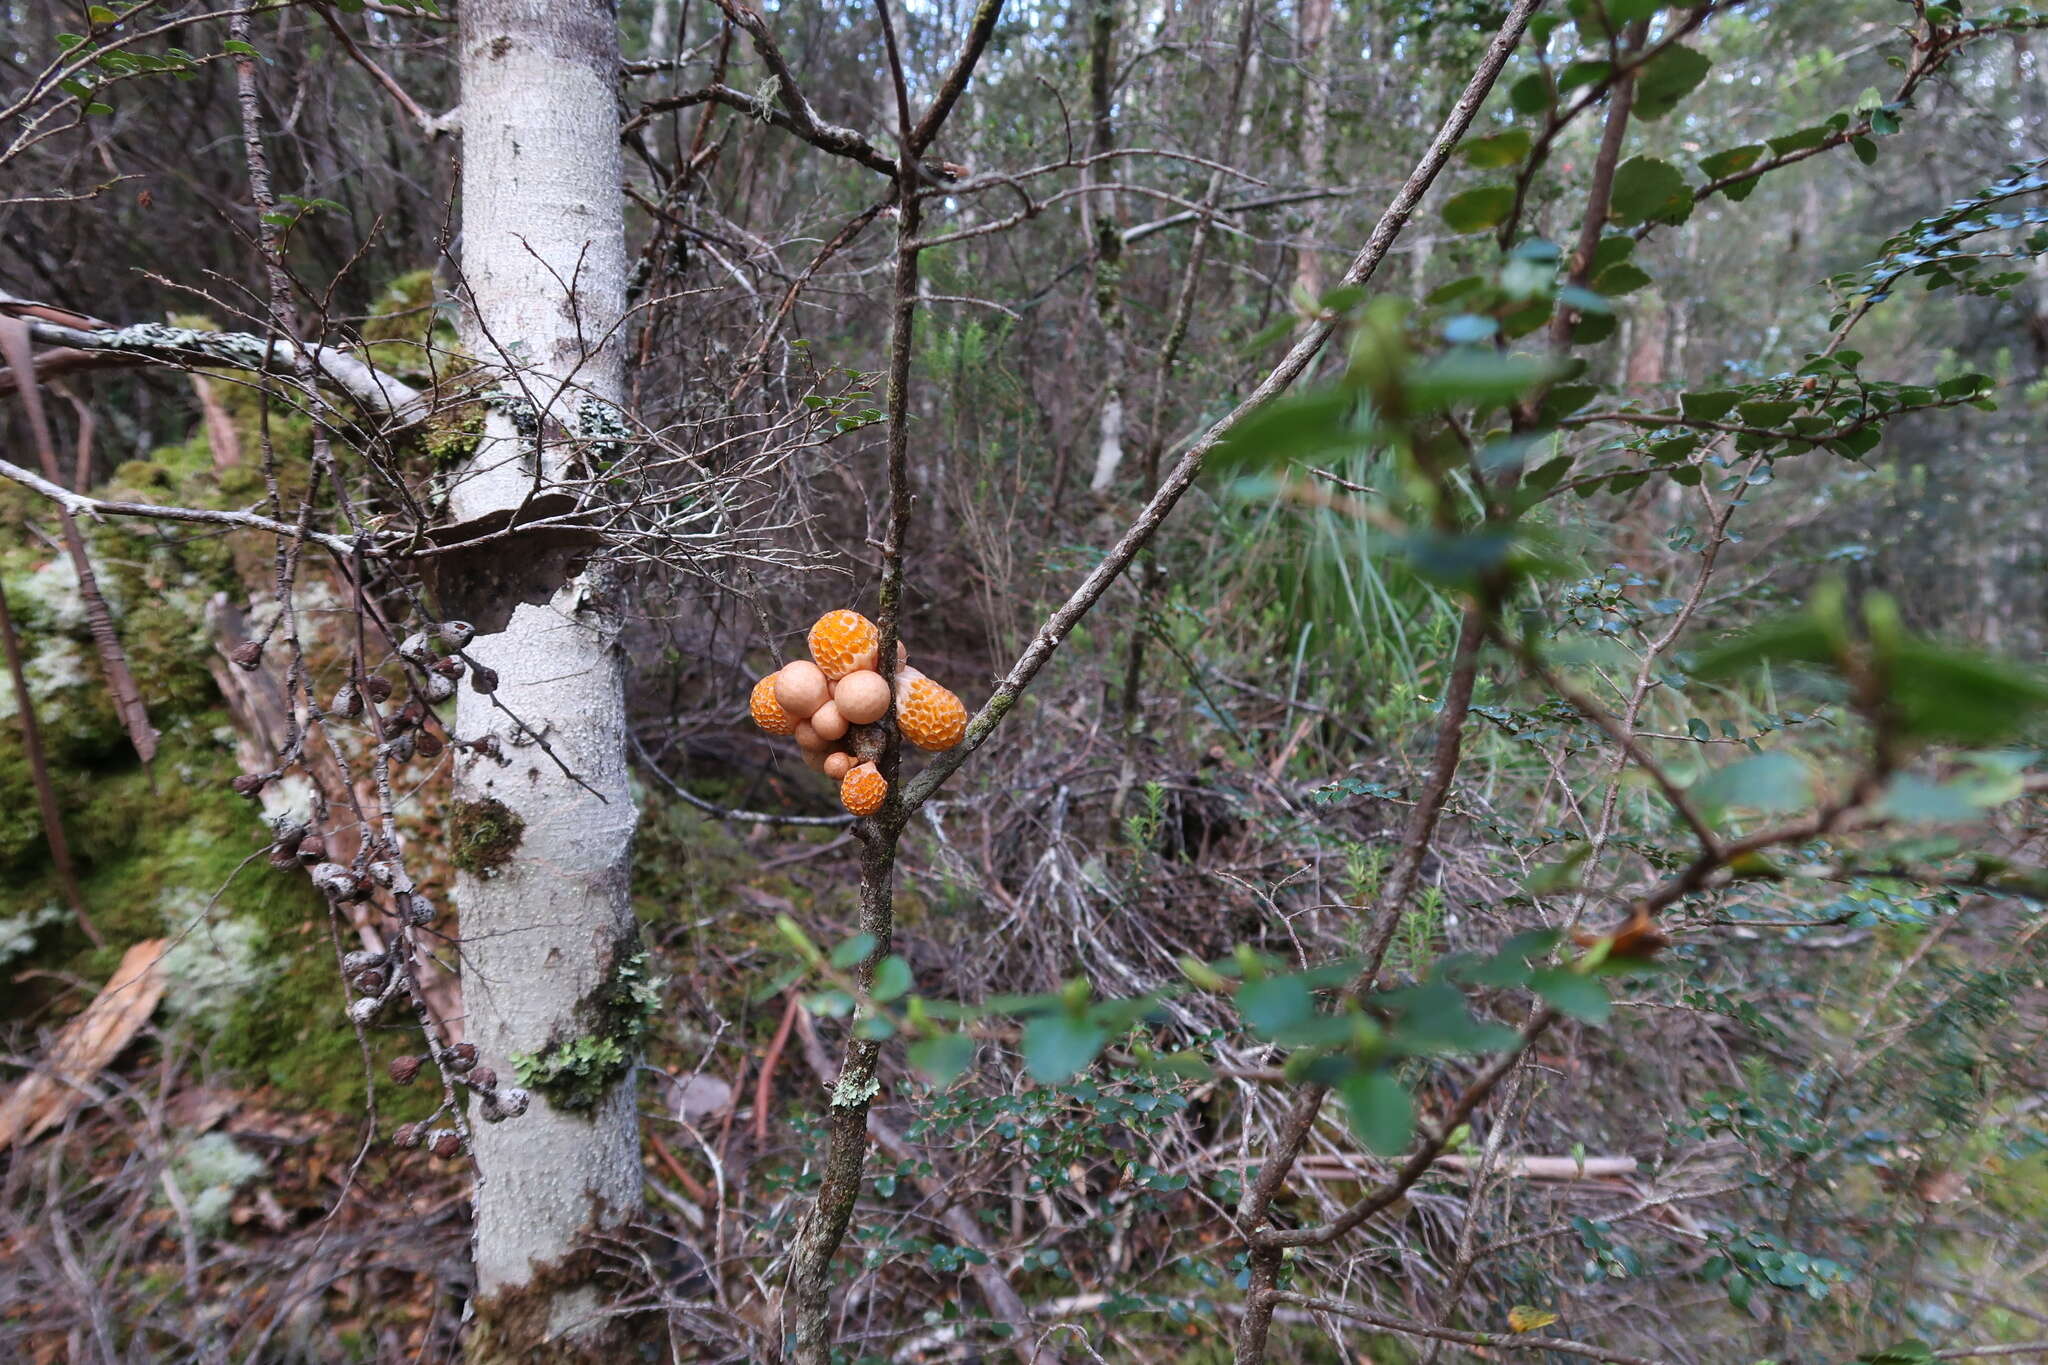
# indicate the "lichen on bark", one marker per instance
pixel 574 1073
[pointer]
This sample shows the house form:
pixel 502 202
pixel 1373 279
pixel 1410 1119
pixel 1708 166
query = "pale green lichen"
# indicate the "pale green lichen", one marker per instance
pixel 215 961
pixel 575 1073
pixel 208 1171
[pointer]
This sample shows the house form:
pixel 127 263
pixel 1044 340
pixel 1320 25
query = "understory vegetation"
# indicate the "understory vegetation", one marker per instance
pixel 1528 842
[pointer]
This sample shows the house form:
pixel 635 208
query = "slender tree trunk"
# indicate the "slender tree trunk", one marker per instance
pixel 1315 138
pixel 544 821
pixel 1098 214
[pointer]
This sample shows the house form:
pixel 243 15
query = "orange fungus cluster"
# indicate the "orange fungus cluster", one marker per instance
pixel 829 703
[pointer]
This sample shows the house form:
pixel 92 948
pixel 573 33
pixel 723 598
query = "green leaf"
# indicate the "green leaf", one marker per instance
pixel 1773 783
pixel 1294 428
pixel 1579 997
pixel 1865 149
pixel 1797 639
pixel 1648 190
pixel 1905 1353
pixel 852 951
pixel 1733 159
pixel 1492 153
pixel 1617 280
pixel 1479 377
pixel 1476 210
pixel 1667 78
pixel 237 46
pixel 1275 1006
pixel 1382 1113
pixel 892 979
pixel 1709 406
pixel 943 1058
pixel 1941 693
pixel 1806 139
pixel 1056 1046
pixel 1531 94
pixel 101 17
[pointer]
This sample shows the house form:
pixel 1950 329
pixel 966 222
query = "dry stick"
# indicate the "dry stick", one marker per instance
pixel 127 697
pixel 1062 621
pixel 39 771
pixel 824 1228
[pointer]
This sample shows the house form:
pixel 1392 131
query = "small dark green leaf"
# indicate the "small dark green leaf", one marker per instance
pixel 1492 153
pixel 892 979
pixel 943 1058
pixel 1476 210
pixel 1580 997
pixel 1056 1046
pixel 1382 1113
pixel 1668 78
pixel 1648 190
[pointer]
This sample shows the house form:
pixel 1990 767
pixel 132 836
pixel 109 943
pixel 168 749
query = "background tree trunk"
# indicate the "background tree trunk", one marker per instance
pixel 546 919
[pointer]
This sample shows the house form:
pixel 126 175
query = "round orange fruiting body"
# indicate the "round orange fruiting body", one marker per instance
pixel 801 688
pixel 829 722
pixel 930 716
pixel 809 739
pixel 861 696
pixel 838 765
pixel 844 642
pixel 862 789
pixel 768 712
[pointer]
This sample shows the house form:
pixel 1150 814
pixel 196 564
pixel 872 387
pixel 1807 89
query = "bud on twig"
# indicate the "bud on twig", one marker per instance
pixel 361 960
pixel 364 1011
pixel 427 744
pixel 312 848
pixel 457 634
pixel 408 1135
pixel 435 687
pixel 347 701
pixel 459 1058
pixel 377 689
pixel 450 667
pixel 369 982
pixel 447 1143
pixel 336 882
pixel 483 680
pixel 248 655
pixel 416 648
pixel 419 911
pixel 250 784
pixel 483 1078
pixel 404 1069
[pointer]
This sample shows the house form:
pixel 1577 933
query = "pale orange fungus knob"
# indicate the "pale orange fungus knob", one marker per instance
pixel 930 716
pixel 768 712
pixel 844 642
pixel 862 789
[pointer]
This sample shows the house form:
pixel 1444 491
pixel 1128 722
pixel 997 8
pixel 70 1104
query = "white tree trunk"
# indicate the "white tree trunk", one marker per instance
pixel 545 931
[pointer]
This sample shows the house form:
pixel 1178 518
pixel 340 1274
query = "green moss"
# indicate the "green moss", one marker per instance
pixel 482 835
pixel 575 1073
pixel 451 437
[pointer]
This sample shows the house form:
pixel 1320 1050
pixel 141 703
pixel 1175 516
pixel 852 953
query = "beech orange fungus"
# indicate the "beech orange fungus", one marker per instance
pixel 836 703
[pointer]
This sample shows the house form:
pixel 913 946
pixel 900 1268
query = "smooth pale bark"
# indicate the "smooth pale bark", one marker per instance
pixel 1314 40
pixel 544 267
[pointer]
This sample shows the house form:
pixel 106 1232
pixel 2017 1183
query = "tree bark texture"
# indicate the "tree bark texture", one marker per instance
pixel 544 818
